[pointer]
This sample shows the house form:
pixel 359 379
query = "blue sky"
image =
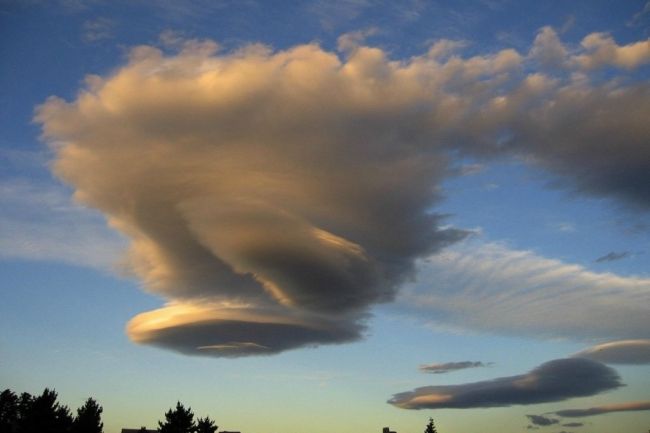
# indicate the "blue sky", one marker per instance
pixel 276 212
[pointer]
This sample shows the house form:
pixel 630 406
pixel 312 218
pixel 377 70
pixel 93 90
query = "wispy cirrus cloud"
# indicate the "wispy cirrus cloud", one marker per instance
pixel 555 380
pixel 487 287
pixel 41 222
pixel 98 29
pixel 301 182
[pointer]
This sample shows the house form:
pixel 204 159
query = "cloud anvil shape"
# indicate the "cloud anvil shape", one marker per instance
pixel 555 380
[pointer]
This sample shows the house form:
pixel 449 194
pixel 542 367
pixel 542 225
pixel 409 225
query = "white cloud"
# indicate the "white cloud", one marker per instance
pixel 41 222
pixel 602 50
pixel 98 29
pixel 490 288
pixel 619 352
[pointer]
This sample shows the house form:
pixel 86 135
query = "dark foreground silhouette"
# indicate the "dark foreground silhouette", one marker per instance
pixel 43 414
pixel 26 413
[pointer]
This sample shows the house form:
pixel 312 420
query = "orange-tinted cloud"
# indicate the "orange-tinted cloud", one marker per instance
pixel 302 181
pixel 555 380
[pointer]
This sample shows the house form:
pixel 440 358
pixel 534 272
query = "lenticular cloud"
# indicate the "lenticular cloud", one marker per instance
pixel 273 197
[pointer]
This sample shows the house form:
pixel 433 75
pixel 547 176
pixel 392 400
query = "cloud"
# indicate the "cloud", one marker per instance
pixel 548 50
pixel 600 410
pixel 613 256
pixel 602 50
pixel 450 366
pixel 98 29
pixel 639 16
pixel 542 420
pixel 619 352
pixel 40 222
pixel 331 14
pixel 303 181
pixel 470 169
pixel 573 424
pixel 227 330
pixel 555 380
pixel 488 287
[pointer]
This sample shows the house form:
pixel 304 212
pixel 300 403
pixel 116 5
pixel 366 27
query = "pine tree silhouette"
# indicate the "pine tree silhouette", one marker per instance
pixel 206 425
pixel 431 428
pixel 8 411
pixel 89 418
pixel 179 420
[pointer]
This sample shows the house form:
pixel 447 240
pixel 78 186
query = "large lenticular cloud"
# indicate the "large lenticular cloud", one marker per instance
pixel 273 197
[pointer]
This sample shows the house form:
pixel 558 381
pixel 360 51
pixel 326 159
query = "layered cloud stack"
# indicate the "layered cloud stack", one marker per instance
pixel 273 197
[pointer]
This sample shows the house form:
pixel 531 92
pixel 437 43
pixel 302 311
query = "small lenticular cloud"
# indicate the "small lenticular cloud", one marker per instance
pixel 450 366
pixel 601 410
pixel 542 420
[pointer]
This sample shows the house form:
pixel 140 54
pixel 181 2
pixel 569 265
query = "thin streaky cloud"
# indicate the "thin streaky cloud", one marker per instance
pixel 41 222
pixel 612 256
pixel 632 406
pixel 630 352
pixel 446 367
pixel 487 287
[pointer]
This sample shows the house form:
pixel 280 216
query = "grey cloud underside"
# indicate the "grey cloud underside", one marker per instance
pixel 234 338
pixel 556 380
pixel 601 410
pixel 304 179
pixel 613 256
pixel 450 366
pixel 590 142
pixel 542 420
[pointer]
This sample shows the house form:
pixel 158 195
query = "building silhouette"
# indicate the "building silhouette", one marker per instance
pixel 138 430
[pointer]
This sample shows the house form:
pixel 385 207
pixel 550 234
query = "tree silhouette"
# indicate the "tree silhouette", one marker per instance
pixel 206 425
pixel 89 418
pixel 24 404
pixel 179 420
pixel 8 411
pixel 431 428
pixel 43 414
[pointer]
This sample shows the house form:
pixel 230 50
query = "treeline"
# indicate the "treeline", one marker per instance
pixel 26 413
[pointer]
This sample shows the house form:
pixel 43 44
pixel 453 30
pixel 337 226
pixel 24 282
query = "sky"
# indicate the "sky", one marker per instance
pixel 339 215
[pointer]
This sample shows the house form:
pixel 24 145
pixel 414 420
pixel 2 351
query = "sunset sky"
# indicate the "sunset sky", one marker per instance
pixel 316 216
